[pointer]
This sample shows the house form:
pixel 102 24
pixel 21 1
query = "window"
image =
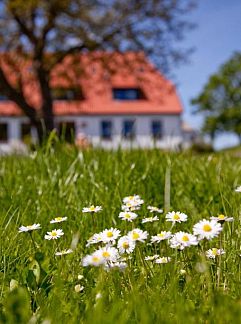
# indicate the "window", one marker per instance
pixel 26 131
pixel 156 128
pixel 60 93
pixel 3 132
pixel 67 131
pixel 129 129
pixel 106 129
pixel 127 94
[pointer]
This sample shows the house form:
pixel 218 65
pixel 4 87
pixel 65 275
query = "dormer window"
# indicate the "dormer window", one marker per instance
pixel 128 94
pixel 61 93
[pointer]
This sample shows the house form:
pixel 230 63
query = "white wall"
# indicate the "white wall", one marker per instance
pixel 90 126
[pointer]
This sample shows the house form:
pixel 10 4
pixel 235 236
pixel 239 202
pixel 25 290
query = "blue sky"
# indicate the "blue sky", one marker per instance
pixel 217 36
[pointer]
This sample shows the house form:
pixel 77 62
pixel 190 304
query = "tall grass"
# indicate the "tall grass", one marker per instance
pixel 37 286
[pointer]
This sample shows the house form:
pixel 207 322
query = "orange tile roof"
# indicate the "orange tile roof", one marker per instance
pixel 96 74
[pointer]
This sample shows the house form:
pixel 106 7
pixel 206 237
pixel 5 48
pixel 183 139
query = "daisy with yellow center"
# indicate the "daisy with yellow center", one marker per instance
pixel 214 252
pixel 150 219
pixel 96 238
pixel 207 229
pixel 176 217
pixel 29 228
pixel 127 215
pixel 152 257
pixel 53 235
pixel 92 209
pixel 222 218
pixel 163 260
pixel 153 209
pixel 95 259
pixel 109 235
pixel 64 252
pixel 58 220
pixel 108 253
pixel 138 235
pixel 163 235
pixel 181 240
pixel 126 245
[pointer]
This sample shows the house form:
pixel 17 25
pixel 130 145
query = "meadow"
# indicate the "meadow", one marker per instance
pixel 185 286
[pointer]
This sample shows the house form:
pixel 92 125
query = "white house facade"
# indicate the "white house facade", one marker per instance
pixel 140 109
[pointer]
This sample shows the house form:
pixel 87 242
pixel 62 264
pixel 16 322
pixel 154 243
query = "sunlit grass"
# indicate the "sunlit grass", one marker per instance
pixel 61 182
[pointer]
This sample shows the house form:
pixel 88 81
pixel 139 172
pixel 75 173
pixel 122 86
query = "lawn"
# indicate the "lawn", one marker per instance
pixel 37 286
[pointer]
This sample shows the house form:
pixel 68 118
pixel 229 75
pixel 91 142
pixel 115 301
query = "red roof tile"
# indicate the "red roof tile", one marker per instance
pixel 129 70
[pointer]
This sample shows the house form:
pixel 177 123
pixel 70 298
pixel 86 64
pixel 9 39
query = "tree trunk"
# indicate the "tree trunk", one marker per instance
pixel 45 126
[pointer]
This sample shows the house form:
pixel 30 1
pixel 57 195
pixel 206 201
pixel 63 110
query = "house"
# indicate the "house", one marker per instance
pixel 110 99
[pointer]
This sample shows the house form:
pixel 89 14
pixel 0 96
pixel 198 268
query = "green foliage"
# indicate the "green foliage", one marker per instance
pixel 220 100
pixel 35 285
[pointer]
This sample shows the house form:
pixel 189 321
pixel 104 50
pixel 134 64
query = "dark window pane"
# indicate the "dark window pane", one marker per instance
pixel 127 94
pixel 60 93
pixel 106 129
pixel 156 129
pixel 129 129
pixel 67 131
pixel 3 132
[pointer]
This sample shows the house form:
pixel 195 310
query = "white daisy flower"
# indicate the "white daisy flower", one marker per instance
pixel 150 219
pixel 92 209
pixel 212 253
pixel 207 229
pixel 64 252
pixel 163 235
pixel 176 217
pixel 127 215
pixel 109 235
pixel 119 264
pixel 54 234
pixel 126 245
pixel 138 235
pixel 96 238
pixel 163 260
pixel 182 240
pixel 130 207
pixel 134 200
pixel 108 253
pixel 153 209
pixel 238 189
pixel 29 228
pixel 95 259
pixel 151 257
pixel 58 220
pixel 222 218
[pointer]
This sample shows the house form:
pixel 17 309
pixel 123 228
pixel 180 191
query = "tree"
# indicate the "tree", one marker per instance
pixel 220 99
pixel 44 32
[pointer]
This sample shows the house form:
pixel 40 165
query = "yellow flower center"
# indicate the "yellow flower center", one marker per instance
pixel 185 238
pixel 95 259
pixel 109 234
pixel 29 226
pixel 106 254
pixel 92 208
pixel 58 219
pixel 214 251
pixel 135 236
pixel 127 216
pixel 54 233
pixel 161 235
pixel 207 228
pixel 125 245
pixel 176 217
pixel 221 216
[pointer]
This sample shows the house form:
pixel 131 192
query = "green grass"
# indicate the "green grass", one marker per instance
pixel 61 182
